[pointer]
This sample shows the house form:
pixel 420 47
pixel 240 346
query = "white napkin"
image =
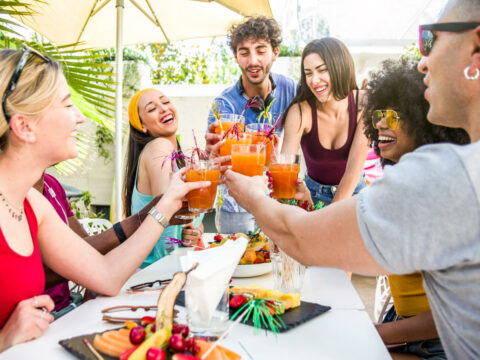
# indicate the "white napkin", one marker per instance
pixel 207 283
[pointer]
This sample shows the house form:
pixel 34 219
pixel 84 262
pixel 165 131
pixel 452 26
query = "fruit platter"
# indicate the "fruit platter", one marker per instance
pixel 153 338
pixel 256 258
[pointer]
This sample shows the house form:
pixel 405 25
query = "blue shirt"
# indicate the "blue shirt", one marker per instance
pixel 232 101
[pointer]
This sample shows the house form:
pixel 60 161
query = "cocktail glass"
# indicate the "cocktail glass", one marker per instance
pixel 259 133
pixel 284 170
pixel 248 159
pixel 231 139
pixel 231 129
pixel 202 200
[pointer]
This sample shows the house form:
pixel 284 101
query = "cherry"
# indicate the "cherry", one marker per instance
pixel 192 346
pixel 177 343
pixel 156 354
pixel 137 335
pixel 180 329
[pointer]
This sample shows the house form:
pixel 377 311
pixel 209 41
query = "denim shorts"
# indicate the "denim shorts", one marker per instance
pixel 326 193
pixel 431 349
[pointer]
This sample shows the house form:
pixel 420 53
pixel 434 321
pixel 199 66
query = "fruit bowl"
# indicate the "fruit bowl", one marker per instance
pixel 251 270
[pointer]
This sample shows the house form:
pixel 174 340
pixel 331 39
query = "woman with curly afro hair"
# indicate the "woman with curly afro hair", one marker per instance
pixel 396 123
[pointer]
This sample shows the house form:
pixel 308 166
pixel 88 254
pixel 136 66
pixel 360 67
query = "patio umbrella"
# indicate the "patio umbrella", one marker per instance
pixel 92 23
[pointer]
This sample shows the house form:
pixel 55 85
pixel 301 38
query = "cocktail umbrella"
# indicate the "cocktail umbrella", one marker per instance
pixel 115 23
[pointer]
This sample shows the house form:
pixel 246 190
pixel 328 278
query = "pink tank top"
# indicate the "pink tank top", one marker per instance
pixel 323 165
pixel 21 277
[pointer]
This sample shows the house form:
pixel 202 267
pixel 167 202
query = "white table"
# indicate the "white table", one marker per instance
pixel 342 333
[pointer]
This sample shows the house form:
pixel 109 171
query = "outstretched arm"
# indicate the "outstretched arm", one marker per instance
pixel 328 237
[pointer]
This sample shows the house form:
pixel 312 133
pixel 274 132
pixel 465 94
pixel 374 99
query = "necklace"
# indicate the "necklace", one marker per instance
pixel 16 213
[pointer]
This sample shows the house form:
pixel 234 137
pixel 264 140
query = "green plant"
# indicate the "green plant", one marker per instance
pixel 181 63
pixel 103 137
pixel 412 52
pixel 82 207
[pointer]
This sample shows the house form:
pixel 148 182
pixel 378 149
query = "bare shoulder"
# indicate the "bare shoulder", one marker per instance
pixel 40 205
pixel 299 116
pixel 362 97
pixel 157 148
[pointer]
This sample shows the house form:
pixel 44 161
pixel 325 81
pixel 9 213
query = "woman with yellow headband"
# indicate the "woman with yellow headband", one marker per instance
pixel 153 126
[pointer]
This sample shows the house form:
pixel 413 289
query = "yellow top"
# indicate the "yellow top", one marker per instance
pixel 408 294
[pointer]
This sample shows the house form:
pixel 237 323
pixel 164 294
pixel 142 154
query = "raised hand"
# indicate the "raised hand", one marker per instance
pixel 211 138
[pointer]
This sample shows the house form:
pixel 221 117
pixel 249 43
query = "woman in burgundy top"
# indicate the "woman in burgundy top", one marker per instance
pixel 324 119
pixel 38 123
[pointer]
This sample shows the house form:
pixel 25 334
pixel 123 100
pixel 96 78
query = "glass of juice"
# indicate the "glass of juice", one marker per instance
pixel 284 170
pixel 259 133
pixel 226 149
pixel 202 200
pixel 248 159
pixel 231 129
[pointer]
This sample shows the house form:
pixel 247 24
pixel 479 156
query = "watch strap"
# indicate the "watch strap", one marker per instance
pixel 159 217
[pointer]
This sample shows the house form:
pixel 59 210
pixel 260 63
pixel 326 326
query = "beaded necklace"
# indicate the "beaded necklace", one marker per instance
pixel 16 213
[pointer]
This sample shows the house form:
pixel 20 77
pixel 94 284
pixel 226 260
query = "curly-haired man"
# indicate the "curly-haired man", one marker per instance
pixel 255 45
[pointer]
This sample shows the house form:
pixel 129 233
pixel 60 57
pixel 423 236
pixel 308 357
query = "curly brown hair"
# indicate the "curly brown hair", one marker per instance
pixel 258 28
pixel 399 86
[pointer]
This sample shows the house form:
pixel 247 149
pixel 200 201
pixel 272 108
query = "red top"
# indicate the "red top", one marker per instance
pixel 21 277
pixel 323 165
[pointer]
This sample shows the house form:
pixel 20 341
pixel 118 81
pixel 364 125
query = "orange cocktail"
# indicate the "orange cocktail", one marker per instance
pixel 259 132
pixel 248 159
pixel 202 200
pixel 231 129
pixel 284 170
pixel 226 149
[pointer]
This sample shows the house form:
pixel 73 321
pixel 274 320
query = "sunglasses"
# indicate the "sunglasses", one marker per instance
pixel 12 84
pixel 142 287
pixel 391 118
pixel 427 37
pixel 142 311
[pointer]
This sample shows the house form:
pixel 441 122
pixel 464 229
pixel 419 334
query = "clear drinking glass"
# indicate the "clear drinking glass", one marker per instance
pixel 199 322
pixel 202 200
pixel 284 170
pixel 259 133
pixel 248 159
pixel 288 274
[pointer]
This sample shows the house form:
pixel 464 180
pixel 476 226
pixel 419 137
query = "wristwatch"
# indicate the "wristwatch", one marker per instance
pixel 159 217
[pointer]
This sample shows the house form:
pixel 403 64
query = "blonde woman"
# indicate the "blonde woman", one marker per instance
pixel 38 123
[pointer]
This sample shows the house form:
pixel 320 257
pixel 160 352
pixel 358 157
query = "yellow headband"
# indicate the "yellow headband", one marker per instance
pixel 133 115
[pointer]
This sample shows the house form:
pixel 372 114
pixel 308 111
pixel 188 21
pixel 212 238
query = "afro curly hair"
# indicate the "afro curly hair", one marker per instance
pixel 258 28
pixel 399 86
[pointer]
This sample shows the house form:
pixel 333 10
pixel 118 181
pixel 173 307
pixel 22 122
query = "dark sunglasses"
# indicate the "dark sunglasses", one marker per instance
pixel 427 37
pixel 142 287
pixel 391 118
pixel 12 84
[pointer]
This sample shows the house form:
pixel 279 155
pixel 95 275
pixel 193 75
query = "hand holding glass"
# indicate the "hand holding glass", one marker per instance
pixel 202 200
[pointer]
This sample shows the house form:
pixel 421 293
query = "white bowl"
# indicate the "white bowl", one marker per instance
pixel 251 270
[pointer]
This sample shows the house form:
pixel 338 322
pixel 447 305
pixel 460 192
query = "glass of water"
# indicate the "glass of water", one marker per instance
pixel 288 274
pixel 200 321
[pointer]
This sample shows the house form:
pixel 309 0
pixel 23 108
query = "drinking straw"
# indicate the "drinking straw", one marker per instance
pixel 92 349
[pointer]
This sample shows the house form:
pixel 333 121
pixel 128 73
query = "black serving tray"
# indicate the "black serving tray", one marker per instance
pixel 292 317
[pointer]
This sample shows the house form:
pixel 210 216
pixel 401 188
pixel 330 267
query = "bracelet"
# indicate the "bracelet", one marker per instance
pixel 119 232
pixel 162 220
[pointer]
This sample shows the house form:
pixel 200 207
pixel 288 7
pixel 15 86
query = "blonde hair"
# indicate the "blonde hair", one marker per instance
pixel 35 90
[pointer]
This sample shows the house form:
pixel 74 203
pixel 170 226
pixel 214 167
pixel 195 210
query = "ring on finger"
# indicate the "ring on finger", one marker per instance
pixel 35 301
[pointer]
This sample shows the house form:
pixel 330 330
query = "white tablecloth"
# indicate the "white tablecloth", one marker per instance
pixel 345 332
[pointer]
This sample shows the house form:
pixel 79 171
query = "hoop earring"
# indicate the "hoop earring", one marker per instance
pixel 469 77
